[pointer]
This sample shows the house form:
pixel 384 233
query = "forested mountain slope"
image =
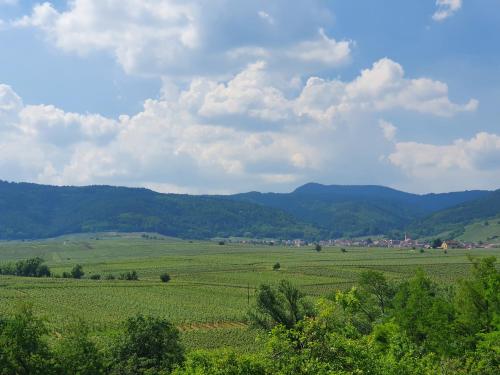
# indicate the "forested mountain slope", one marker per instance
pixel 312 211
pixel 454 219
pixel 37 211
pixel 342 210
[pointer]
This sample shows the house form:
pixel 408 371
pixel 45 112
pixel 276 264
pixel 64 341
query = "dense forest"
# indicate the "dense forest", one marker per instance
pixel 38 211
pixel 312 211
pixel 376 327
pixel 343 211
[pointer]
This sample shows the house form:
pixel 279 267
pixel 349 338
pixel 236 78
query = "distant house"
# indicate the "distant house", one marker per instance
pixel 452 244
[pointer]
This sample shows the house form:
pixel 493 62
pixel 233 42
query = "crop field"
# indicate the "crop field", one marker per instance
pixel 212 285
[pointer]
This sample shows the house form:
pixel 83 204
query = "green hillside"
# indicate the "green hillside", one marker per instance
pixel 312 212
pixel 39 211
pixel 486 231
pixel 344 211
pixel 454 220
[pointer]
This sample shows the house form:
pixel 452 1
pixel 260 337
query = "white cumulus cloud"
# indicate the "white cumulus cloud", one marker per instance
pixel 246 132
pixel 173 38
pixel 468 163
pixel 446 8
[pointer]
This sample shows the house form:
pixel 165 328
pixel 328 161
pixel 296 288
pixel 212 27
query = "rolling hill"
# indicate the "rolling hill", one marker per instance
pixel 342 210
pixel 312 211
pixel 452 221
pixel 40 211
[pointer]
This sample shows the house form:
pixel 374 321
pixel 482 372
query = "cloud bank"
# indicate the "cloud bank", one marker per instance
pixel 169 37
pixel 247 132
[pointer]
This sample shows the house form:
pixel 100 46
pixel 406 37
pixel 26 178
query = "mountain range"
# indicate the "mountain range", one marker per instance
pixel 312 211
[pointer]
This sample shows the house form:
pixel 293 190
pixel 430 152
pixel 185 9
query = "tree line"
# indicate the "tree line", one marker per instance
pixel 376 327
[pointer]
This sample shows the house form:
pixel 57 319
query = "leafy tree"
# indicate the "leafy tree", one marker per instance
pixel 276 266
pixel 318 247
pixel 375 283
pixel 77 272
pixel 313 347
pixel 76 354
pixel 31 267
pixel 478 301
pixel 425 313
pixel 352 312
pixel 149 345
pixel 284 305
pixel 23 349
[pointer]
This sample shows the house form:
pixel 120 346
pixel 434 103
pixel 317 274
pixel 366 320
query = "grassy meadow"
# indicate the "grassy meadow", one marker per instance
pixel 212 285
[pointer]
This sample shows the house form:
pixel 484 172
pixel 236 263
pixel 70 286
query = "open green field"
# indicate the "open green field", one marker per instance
pixel 211 284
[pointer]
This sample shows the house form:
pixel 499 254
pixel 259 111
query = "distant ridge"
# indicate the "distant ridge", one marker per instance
pixel 358 210
pixel 39 211
pixel 453 220
pixel 312 211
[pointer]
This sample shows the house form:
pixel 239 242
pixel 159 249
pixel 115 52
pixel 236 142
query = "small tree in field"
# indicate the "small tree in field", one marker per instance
pixel 77 272
pixel 318 247
pixel 165 277
pixel 276 266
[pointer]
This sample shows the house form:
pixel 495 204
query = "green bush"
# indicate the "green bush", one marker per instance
pixel 32 267
pixel 221 363
pixel 149 345
pixel 165 277
pixel 23 345
pixel 77 272
pixel 77 354
pixel 130 276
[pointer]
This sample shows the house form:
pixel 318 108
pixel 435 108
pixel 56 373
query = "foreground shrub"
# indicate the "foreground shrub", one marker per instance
pixel 284 305
pixel 165 277
pixel 78 355
pixel 23 349
pixel 149 345
pixel 221 363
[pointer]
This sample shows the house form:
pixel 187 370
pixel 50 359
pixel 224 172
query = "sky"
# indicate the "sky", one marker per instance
pixel 225 96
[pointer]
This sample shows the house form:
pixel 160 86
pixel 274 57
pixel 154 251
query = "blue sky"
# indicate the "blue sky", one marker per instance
pixel 224 96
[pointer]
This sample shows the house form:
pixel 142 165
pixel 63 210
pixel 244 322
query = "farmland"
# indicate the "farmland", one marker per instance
pixel 212 285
